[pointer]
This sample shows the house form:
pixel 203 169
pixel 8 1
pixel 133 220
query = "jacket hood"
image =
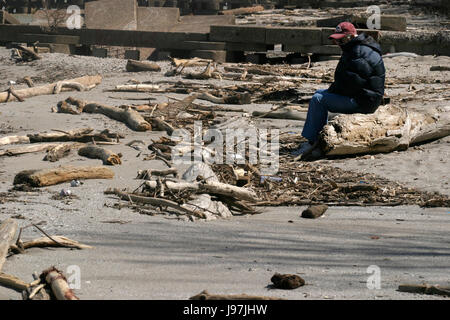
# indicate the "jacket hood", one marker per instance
pixel 364 40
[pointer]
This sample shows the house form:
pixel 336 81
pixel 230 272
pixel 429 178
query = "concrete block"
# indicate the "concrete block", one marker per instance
pixel 298 60
pixel 145 39
pixel 145 53
pixel 294 35
pixel 326 32
pixel 420 43
pixel 132 54
pixel 235 56
pixel 157 19
pixel 6 18
pixel 387 22
pixel 99 52
pixel 237 46
pixel 325 49
pixel 43 50
pixel 255 58
pixel 48 38
pixel 332 22
pixel 242 34
pixel 111 14
pixel 62 48
pixel 202 45
pixel 205 5
pixel 216 55
pixel 202 23
pixel 162 55
pixel 23 18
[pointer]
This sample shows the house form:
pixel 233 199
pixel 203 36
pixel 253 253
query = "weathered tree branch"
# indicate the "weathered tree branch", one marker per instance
pixel 85 82
pixel 48 177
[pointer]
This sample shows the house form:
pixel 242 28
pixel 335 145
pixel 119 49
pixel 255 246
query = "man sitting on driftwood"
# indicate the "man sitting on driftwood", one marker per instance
pixel 358 85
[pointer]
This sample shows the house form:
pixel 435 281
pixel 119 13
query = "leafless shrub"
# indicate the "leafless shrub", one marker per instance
pixel 55 17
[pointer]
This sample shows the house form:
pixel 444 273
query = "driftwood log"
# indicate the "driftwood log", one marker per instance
pixel 211 187
pixel 288 113
pixel 129 116
pixel 209 72
pixel 424 289
pixel 194 62
pixel 146 174
pixel 140 87
pixel 12 282
pixel 55 151
pixel 59 285
pixel 246 10
pixel 29 82
pixel 159 124
pixel 60 151
pixel 239 98
pixel 250 70
pixel 205 295
pixel 28 149
pixel 45 242
pixel 94 152
pixel 81 84
pixel 157 202
pixel 389 128
pixel 8 230
pixel 27 54
pixel 48 177
pixel 136 66
pixel 14 140
pixel 64 107
pixel 78 135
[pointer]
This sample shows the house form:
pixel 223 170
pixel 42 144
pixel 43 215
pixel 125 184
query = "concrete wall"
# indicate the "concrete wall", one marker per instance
pixel 202 23
pixel 157 18
pixel 111 14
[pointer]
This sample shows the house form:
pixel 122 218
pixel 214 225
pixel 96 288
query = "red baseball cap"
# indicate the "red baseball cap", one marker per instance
pixel 343 29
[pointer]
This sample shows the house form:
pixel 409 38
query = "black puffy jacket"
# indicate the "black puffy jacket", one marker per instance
pixel 360 73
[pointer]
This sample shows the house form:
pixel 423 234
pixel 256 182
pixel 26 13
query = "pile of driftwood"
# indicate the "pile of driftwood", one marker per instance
pixel 222 190
pixel 49 284
pixel 259 82
pixel 196 194
pixel 309 183
pixel 168 116
pixel 58 144
pixel 289 101
pixel 24 54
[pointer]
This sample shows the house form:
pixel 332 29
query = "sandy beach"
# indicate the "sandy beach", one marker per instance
pixel 159 257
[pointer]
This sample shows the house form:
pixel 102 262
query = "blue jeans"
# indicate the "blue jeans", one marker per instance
pixel 322 102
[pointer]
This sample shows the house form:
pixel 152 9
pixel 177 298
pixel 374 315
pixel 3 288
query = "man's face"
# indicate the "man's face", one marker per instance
pixel 343 41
